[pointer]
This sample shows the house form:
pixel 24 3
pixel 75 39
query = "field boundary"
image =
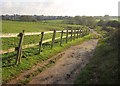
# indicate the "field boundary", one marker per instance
pixel 8 35
pixel 37 33
pixel 28 46
pixel 70 34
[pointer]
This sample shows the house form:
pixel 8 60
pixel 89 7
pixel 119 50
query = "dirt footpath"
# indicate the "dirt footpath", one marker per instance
pixel 68 67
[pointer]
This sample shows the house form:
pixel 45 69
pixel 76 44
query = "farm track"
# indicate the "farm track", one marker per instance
pixel 65 69
pixel 68 66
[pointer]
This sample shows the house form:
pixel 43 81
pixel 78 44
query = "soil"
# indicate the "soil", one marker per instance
pixel 67 68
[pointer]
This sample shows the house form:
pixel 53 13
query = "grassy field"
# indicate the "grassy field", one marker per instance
pixel 47 25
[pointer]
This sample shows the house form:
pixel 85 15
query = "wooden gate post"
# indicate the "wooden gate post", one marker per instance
pixel 66 35
pixel 40 43
pixel 19 48
pixel 61 38
pixel 53 38
pixel 71 33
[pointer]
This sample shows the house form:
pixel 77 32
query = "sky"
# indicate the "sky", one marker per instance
pixel 60 7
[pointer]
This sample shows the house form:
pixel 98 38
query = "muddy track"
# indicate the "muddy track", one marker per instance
pixel 68 67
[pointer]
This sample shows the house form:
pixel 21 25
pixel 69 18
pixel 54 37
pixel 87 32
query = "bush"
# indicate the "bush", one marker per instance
pixel 114 23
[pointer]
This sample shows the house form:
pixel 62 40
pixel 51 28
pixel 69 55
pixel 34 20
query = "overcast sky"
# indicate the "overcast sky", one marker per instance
pixel 60 7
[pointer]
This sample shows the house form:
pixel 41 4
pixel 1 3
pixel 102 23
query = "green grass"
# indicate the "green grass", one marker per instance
pixel 47 25
pixel 31 58
pixel 102 68
pixel 14 41
pixel 99 30
pixel 16 26
pixel 36 72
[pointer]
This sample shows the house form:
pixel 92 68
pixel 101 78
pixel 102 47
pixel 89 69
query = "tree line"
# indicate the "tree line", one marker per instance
pixel 93 21
pixel 33 18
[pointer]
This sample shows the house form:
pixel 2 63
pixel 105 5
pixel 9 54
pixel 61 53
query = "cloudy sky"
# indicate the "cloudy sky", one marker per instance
pixel 60 7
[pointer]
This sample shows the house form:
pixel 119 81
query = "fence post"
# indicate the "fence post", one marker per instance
pixel 74 34
pixel 53 38
pixel 81 32
pixel 84 33
pixel 19 48
pixel 77 32
pixel 66 35
pixel 61 38
pixel 71 33
pixel 40 43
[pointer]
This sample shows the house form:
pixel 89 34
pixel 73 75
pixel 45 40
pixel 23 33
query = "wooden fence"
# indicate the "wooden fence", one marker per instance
pixel 69 34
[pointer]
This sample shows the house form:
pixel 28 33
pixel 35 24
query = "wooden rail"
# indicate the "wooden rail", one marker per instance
pixel 69 33
pixel 28 46
pixel 8 35
pixel 36 33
